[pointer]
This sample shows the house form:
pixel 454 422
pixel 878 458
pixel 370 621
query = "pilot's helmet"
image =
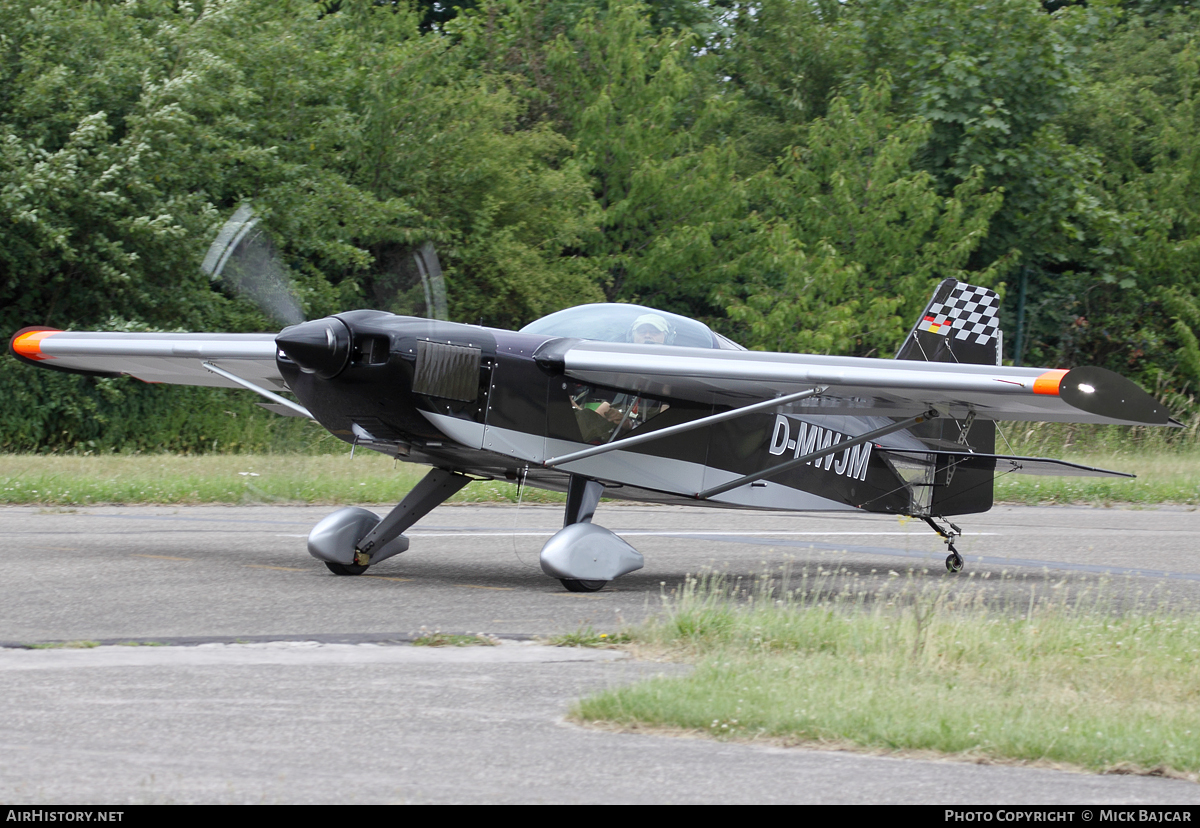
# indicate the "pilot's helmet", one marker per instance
pixel 651 328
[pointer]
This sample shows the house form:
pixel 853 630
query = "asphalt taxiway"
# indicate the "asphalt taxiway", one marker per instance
pixel 280 682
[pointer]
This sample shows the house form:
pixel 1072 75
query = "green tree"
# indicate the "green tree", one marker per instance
pixel 655 134
pixel 991 79
pixel 853 235
pixel 502 196
pixel 787 60
pixel 1140 115
pixel 129 131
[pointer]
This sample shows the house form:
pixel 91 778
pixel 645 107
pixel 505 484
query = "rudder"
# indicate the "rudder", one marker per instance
pixel 961 324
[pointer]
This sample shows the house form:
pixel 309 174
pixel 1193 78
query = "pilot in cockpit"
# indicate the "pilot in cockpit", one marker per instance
pixel 626 411
pixel 651 329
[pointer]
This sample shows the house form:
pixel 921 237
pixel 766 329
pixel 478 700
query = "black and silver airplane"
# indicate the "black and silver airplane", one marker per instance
pixel 623 401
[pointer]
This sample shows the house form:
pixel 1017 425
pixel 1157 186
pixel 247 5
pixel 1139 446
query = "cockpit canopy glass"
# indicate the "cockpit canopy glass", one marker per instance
pixel 618 323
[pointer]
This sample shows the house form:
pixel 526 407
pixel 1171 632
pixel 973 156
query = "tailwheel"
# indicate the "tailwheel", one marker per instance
pixel 954 561
pixel 582 586
pixel 346 569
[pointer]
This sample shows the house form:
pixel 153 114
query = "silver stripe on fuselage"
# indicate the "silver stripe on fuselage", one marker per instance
pixel 664 474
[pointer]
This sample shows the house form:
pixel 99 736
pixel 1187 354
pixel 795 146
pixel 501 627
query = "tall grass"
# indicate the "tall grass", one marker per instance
pixel 1163 476
pixel 1062 440
pixel 985 672
pixel 1166 462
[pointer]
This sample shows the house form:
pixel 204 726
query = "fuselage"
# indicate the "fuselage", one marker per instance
pixel 479 401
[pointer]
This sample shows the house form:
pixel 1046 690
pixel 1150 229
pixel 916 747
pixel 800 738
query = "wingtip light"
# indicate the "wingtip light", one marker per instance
pixel 28 343
pixel 1048 382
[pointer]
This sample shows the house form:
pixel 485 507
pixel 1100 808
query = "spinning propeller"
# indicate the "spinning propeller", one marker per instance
pixel 244 261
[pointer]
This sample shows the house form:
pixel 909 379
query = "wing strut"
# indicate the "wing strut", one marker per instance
pixel 275 398
pixel 677 429
pixel 819 453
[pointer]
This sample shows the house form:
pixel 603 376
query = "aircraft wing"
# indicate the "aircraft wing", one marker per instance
pixel 858 386
pixel 174 358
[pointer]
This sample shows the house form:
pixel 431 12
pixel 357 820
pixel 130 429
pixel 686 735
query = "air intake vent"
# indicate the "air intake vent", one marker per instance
pixel 450 372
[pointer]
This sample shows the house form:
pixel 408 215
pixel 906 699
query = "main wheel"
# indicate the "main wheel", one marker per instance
pixel 582 586
pixel 954 562
pixel 346 569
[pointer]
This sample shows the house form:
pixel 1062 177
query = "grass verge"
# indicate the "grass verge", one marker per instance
pixel 77 480
pixel 1165 475
pixel 906 667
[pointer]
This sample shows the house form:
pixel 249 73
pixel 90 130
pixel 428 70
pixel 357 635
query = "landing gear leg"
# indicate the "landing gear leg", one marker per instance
pixel 352 539
pixel 583 496
pixel 433 490
pixel 954 561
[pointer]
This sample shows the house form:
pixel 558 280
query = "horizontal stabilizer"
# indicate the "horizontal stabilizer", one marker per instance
pixel 1006 463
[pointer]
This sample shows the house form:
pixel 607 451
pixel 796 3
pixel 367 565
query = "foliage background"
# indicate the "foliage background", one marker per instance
pixel 797 174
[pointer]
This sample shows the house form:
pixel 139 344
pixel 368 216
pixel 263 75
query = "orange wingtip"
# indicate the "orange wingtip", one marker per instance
pixel 29 343
pixel 1048 382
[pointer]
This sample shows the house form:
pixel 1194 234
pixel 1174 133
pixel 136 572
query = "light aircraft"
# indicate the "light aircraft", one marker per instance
pixel 623 401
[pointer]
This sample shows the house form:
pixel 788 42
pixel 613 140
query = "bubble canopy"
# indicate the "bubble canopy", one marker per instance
pixel 615 323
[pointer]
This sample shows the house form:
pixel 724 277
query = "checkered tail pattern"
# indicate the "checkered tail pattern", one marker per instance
pixel 971 313
pixel 961 324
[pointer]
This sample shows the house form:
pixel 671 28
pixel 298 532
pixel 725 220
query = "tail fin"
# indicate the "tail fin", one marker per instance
pixel 960 324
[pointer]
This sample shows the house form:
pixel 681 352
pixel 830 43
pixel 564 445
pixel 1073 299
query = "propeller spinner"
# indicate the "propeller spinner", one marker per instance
pixel 320 347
